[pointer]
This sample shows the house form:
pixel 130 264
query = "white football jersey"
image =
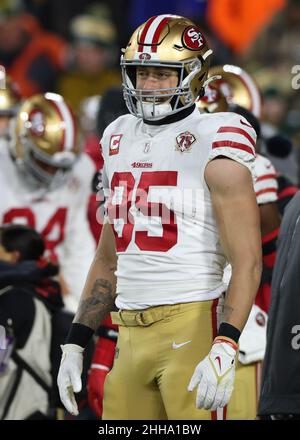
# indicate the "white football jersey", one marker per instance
pixel 266 186
pixel 60 216
pixel 160 207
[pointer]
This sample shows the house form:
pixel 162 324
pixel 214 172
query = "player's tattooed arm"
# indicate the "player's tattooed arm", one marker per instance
pixel 98 296
pixel 97 306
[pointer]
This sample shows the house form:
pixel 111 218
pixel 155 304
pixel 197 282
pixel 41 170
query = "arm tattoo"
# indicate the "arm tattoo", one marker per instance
pixel 94 309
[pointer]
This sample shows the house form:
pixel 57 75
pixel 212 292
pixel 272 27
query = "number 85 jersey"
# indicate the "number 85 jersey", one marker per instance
pixel 160 208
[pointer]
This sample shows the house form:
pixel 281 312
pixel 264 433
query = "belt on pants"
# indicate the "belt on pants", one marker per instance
pixel 143 318
pixel 147 317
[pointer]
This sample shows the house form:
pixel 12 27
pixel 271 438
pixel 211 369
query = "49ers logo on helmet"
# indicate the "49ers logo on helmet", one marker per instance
pixel 193 38
pixel 37 122
pixel 145 56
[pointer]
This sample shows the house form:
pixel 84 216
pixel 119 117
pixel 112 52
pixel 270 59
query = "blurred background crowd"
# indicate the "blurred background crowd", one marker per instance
pixel 73 48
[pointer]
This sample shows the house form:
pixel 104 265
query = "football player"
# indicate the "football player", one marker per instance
pixel 180 205
pixel 45 183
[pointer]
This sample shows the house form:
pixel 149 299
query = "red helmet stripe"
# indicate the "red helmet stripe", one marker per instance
pixel 69 128
pixel 157 33
pixel 62 141
pixel 144 33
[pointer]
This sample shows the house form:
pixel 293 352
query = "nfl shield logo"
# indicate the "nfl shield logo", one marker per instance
pixel 185 141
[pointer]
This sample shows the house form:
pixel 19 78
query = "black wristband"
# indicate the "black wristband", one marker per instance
pixel 79 334
pixel 229 331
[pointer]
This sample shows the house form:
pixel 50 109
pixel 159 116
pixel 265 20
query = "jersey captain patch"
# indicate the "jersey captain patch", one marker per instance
pixel 114 144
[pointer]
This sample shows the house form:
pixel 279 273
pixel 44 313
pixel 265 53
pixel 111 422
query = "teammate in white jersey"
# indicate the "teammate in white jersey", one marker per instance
pixel 45 183
pixel 181 205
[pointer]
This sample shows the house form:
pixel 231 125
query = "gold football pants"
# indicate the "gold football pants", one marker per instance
pixel 157 352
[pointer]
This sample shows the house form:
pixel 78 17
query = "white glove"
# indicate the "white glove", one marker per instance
pixel 253 340
pixel 215 375
pixel 69 376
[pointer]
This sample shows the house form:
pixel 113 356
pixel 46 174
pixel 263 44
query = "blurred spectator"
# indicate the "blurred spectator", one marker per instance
pixel 277 146
pixel 26 287
pixel 31 56
pixel 90 65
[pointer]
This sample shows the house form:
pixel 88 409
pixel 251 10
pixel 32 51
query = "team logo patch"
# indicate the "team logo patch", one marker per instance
pixel 145 56
pixel 114 145
pixel 184 141
pixel 193 38
pixel 260 319
pixel 37 122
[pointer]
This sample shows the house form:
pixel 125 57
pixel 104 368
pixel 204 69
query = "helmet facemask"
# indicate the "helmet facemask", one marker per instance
pixel 147 104
pixel 33 160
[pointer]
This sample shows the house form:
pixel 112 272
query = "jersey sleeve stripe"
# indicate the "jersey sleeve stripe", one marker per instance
pixel 231 144
pixel 239 131
pixel 266 190
pixel 265 177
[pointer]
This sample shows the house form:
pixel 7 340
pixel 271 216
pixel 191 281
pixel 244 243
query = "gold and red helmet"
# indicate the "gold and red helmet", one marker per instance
pixel 232 85
pixel 166 41
pixel 45 141
pixel 10 98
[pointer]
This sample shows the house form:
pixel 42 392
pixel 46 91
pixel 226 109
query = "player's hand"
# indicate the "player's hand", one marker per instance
pixel 69 376
pixel 214 376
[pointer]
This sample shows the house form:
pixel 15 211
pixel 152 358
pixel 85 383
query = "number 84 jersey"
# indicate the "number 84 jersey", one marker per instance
pixel 160 207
